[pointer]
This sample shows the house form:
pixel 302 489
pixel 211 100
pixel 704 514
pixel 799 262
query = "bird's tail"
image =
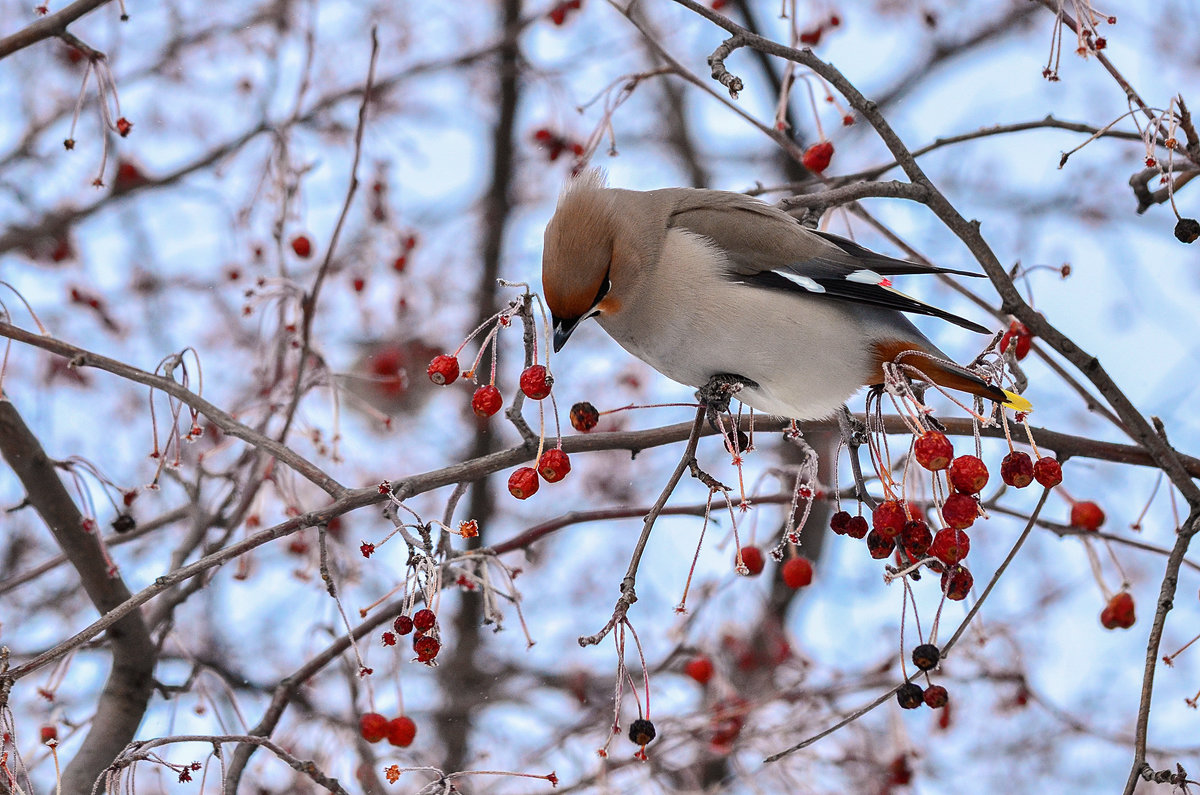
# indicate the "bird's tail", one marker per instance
pixel 947 374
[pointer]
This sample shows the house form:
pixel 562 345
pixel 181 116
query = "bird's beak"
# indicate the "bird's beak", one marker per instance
pixel 562 332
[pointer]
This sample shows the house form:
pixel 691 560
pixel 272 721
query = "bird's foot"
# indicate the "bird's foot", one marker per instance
pixel 720 389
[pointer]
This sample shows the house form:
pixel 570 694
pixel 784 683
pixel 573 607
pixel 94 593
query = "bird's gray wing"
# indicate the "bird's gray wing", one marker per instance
pixel 769 249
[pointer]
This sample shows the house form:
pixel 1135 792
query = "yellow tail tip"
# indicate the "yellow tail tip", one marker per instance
pixel 1016 402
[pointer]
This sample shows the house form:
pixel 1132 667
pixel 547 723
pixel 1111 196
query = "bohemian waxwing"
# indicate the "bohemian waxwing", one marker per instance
pixel 698 283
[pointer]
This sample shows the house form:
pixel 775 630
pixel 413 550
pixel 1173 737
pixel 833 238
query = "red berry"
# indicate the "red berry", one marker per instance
pixel 752 559
pixel 936 697
pixel 699 668
pixel 811 38
pixel 1118 613
pixel 49 733
pixel 797 573
pixel 403 625
pixel 968 474
pixel 879 546
pixel 542 134
pixel 443 369
pixel 960 511
pixel 302 246
pixel 584 417
pixel 889 518
pixel 839 522
pixel 426 647
pixel 486 401
pixel 523 483
pixel 124 126
pixel 856 527
pixel 1017 469
pixel 933 450
pixel 373 727
pixel 401 731
pixel 950 545
pixel 1048 472
pixel 554 465
pixel 536 382
pixel 1019 335
pixel 956 583
pixel 424 619
pixel 916 538
pixel 816 157
pixel 1086 516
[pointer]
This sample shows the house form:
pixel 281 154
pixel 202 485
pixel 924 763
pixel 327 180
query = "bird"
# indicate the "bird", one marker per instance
pixel 703 283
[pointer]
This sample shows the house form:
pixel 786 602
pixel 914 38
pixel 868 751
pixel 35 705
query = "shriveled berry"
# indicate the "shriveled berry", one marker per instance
pixel 373 727
pixel 910 695
pixel 424 619
pixel 1048 472
pixel 957 582
pixel 889 518
pixel 797 573
pixel 816 157
pixel 536 381
pixel 486 401
pixel 926 656
pixel 857 527
pixel 950 545
pixel 968 474
pixel 1017 469
pixel 523 483
pixel 1018 335
pixel 916 538
pixel 880 546
pixel 699 668
pixel 584 416
pixel 1086 516
pixel 1118 613
pixel 642 732
pixel 302 246
pixel 752 558
pixel 426 647
pixel 403 625
pixel 49 734
pixel 960 511
pixel 839 522
pixel 554 465
pixel 936 697
pixel 933 450
pixel 401 731
pixel 124 523
pixel 443 369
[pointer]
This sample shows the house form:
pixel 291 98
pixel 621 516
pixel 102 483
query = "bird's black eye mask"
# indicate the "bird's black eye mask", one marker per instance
pixel 564 328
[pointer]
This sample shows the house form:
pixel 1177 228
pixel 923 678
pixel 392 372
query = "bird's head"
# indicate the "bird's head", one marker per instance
pixel 578 253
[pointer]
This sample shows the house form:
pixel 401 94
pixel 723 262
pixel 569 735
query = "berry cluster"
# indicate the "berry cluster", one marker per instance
pixel 556 144
pixel 899 527
pixel 536 383
pixel 911 695
pixel 399 731
pixel 422 625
